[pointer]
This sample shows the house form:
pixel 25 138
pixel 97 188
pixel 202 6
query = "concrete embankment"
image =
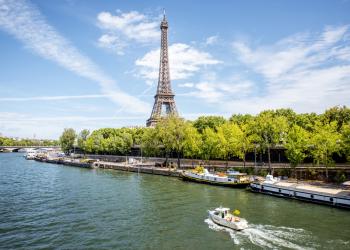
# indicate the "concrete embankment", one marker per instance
pixel 67 162
pixel 138 168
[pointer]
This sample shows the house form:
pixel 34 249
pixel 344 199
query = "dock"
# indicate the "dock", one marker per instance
pixel 138 168
pixel 145 168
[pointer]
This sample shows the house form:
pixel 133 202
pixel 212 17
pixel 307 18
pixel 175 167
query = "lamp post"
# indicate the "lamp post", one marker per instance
pixel 141 153
pixel 255 165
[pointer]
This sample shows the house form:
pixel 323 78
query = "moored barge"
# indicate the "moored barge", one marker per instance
pixel 230 179
pixel 317 194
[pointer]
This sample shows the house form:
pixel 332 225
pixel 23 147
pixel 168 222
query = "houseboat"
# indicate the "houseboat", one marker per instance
pixel 230 179
pixel 317 194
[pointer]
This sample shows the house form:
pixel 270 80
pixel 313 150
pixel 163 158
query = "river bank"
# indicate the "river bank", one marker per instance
pixel 308 191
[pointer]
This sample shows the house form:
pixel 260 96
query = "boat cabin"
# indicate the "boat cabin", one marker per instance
pixel 222 211
pixel 237 175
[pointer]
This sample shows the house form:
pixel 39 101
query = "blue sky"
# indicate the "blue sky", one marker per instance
pixel 92 64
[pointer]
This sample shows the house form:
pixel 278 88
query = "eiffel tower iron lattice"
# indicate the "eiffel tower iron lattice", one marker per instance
pixel 164 102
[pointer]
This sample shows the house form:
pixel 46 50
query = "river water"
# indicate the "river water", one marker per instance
pixel 45 206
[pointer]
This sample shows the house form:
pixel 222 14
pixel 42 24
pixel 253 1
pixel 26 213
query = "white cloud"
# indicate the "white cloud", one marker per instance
pixel 24 21
pixel 211 40
pixel 113 43
pixel 126 27
pixel 186 85
pixel 184 61
pixel 307 72
pixel 220 92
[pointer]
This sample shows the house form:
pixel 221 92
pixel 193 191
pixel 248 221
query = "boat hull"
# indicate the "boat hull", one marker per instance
pixel 232 225
pixel 302 195
pixel 211 182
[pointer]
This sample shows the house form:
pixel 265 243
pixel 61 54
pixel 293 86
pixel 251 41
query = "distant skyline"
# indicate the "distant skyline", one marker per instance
pixel 94 64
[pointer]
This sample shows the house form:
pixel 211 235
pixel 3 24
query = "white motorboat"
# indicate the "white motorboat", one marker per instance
pixel 223 217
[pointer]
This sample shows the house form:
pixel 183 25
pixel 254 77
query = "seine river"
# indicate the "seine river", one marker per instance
pixel 45 206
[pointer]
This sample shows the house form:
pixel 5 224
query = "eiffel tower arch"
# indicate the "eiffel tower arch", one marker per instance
pixel 164 102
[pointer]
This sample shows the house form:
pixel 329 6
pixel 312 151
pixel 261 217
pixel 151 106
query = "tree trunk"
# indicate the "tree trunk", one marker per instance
pixel 244 160
pixel 326 165
pixel 269 158
pixel 178 160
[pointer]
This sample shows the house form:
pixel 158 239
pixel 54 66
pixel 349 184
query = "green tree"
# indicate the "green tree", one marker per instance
pixel 307 121
pixel 126 143
pixel 150 144
pixel 171 133
pixel 137 134
pixel 297 145
pixel 110 141
pixel 241 119
pixel 229 135
pixel 325 142
pixel 210 144
pixel 341 115
pixel 212 122
pixel 192 143
pixel 245 143
pixel 93 143
pixel 67 140
pixel 118 143
pixel 269 131
pixel 346 140
pixel 82 137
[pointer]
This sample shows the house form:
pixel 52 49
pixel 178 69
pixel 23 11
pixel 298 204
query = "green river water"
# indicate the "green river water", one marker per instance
pixel 47 206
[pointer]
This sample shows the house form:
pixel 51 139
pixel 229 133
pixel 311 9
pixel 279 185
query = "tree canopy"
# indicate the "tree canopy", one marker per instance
pixel 309 135
pixel 67 140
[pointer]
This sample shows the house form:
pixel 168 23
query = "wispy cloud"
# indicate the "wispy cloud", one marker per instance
pixel 51 98
pixel 15 117
pixel 212 90
pixel 113 43
pixel 25 125
pixel 211 40
pixel 186 85
pixel 296 53
pixel 61 98
pixel 125 27
pixel 307 72
pixel 25 22
pixel 184 61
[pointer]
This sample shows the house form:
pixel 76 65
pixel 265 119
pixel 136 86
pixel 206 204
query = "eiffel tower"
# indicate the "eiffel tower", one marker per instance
pixel 164 103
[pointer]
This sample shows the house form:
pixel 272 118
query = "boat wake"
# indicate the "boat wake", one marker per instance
pixel 267 236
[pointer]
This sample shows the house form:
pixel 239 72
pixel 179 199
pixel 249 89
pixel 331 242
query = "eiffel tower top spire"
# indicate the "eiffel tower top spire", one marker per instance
pixel 164 103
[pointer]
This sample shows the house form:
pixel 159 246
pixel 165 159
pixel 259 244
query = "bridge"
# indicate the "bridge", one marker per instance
pixel 17 148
